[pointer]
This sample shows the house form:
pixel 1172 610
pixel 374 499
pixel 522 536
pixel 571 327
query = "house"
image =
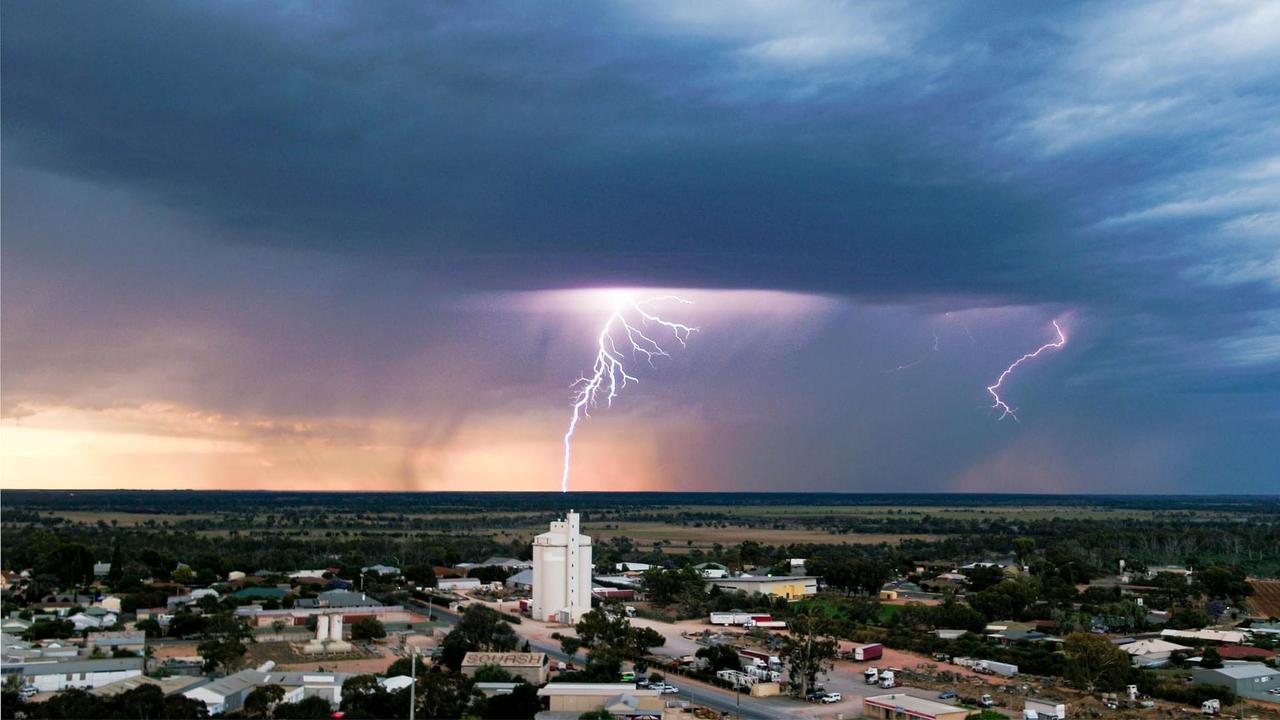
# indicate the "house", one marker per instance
pixel 299 686
pixel 1228 637
pixel 791 587
pixel 1250 680
pixel 75 672
pixel 1152 652
pixel 101 569
pixel 1245 652
pixel 381 570
pixel 133 640
pixel 530 666
pixel 900 706
pixel 91 620
pixel 111 603
pixel 14 625
pixel 567 701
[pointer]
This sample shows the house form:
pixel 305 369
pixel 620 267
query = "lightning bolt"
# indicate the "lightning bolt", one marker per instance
pixel 994 389
pixel 609 373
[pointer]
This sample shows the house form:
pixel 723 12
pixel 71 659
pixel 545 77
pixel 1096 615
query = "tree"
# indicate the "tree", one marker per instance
pixel 421 575
pixel 600 714
pixel 312 708
pixel 1023 549
pixel 1211 659
pixel 368 628
pixel 664 586
pixel 443 694
pixel 570 645
pixel 364 697
pixel 491 673
pixel 150 626
pixel 223 644
pixel 258 704
pixel 117 566
pixel 522 702
pixel 1094 663
pixel 808 650
pixel 1006 599
pixel 720 657
pixel 71 563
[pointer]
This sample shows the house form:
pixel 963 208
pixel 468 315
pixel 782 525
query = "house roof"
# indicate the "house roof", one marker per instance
pixel 1151 646
pixel 1242 652
pixel 594 689
pixel 346 598
pixel 231 684
pixel 912 704
pixel 83 666
pixel 1245 671
pixel 524 577
pixel 169 686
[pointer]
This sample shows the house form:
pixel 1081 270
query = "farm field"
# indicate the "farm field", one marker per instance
pixel 1266 597
pixel 707 536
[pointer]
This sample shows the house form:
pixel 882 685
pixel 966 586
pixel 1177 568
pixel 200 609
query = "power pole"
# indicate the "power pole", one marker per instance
pixel 413 687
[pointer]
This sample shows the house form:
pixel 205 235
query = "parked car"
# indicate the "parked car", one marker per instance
pixel 831 697
pixel 665 689
pixel 815 696
pixel 947 695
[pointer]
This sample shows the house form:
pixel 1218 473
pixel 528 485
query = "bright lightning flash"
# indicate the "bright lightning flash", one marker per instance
pixel 626 327
pixel 1000 404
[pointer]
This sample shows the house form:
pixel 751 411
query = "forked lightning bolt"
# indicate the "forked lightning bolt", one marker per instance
pixel 609 373
pixel 1000 404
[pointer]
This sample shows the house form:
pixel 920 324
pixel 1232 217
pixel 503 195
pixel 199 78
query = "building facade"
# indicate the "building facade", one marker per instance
pixel 562 572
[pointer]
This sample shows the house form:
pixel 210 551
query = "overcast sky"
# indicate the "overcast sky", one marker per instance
pixel 354 245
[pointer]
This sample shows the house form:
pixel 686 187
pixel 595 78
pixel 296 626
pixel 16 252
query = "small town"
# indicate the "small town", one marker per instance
pixel 561 635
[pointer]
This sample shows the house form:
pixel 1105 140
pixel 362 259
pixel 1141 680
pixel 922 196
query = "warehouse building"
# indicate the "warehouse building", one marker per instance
pixel 791 587
pixel 530 666
pixel 1249 680
pixel 902 707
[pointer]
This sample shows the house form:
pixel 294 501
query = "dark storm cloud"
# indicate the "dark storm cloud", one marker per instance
pixel 327 162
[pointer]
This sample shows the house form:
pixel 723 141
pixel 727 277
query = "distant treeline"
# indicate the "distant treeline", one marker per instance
pixel 181 502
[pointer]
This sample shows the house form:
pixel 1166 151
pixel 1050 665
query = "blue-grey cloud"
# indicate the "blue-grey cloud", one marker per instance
pixel 1121 160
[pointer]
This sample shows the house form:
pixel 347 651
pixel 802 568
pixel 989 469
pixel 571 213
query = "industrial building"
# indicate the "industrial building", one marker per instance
pixel 899 706
pixel 1251 680
pixel 567 701
pixel 530 666
pixel 791 587
pixel 562 572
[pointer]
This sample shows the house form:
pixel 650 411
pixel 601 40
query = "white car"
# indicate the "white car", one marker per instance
pixel 667 689
pixel 831 697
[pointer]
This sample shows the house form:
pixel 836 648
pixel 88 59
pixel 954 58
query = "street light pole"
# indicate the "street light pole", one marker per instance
pixel 413 687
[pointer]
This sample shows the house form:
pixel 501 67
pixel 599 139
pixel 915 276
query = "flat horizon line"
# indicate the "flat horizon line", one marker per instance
pixel 643 492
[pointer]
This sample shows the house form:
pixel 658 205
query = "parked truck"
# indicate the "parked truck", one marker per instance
pixel 732 618
pixel 1042 709
pixel 759 659
pixel 1211 707
pixel 874 651
pixel 753 623
pixel 871 675
pixel 888 679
